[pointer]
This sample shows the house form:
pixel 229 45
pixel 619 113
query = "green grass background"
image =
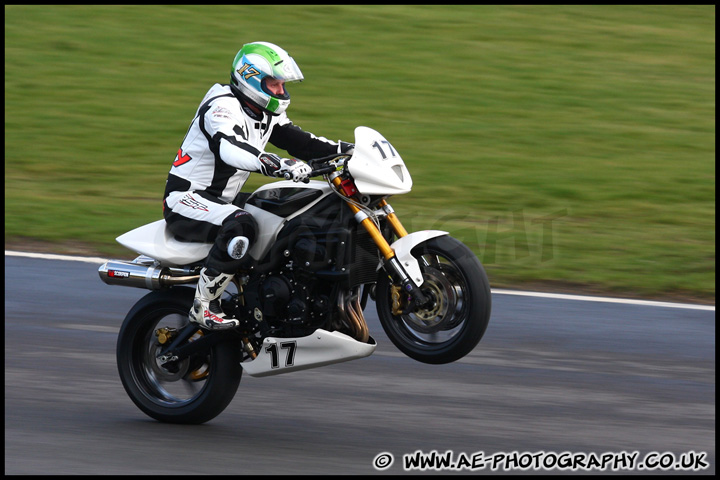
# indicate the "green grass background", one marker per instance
pixel 569 146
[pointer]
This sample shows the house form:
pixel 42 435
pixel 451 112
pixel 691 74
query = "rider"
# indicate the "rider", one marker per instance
pixel 224 144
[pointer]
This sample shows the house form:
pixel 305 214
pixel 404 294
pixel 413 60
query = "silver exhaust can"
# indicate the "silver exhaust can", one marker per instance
pixel 117 272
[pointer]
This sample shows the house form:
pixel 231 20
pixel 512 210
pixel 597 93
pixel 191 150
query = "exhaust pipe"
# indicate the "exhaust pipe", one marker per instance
pixel 151 277
pixel 351 312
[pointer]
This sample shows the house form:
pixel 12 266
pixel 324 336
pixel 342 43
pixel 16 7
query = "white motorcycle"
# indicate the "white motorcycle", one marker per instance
pixel 323 249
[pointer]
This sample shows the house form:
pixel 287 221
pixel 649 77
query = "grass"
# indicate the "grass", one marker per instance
pixel 566 145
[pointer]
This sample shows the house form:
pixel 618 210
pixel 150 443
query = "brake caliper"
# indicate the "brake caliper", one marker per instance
pixel 397 304
pixel 164 334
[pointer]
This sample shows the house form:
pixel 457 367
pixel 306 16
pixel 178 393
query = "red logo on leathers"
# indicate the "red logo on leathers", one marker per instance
pixel 181 158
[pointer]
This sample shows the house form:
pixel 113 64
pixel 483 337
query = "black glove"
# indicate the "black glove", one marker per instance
pixel 346 148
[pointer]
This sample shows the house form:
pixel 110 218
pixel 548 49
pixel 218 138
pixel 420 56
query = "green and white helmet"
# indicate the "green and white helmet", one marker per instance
pixel 253 64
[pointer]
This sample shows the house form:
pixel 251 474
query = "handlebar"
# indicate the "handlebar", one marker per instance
pixel 320 166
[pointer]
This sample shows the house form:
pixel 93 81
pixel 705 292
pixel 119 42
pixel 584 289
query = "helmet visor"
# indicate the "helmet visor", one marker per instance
pixel 287 70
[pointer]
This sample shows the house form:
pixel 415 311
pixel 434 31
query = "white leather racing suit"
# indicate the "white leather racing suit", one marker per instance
pixel 226 142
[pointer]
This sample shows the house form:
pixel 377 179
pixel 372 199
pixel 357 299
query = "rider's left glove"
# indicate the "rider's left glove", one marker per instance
pixel 346 148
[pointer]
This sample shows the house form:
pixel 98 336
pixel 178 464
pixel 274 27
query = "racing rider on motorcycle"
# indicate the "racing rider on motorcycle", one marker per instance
pixel 224 144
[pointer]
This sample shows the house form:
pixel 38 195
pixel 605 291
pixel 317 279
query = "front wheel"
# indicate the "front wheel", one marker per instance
pixel 191 391
pixel 452 323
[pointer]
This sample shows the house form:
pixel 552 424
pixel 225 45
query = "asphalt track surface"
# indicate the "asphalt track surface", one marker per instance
pixel 553 379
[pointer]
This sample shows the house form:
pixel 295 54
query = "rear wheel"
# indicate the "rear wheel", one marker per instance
pixel 193 390
pixel 452 323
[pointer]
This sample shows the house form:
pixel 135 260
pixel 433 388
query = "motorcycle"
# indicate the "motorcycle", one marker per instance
pixel 324 248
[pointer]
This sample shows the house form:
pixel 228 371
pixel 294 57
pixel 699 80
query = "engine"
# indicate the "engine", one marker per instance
pixel 312 281
pixel 288 302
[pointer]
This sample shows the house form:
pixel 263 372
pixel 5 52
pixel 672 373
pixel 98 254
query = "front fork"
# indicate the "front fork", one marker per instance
pixel 417 297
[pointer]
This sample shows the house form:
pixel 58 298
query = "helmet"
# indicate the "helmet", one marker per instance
pixel 253 64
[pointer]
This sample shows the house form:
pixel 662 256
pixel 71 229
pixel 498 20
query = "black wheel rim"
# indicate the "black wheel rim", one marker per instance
pixel 166 387
pixel 443 319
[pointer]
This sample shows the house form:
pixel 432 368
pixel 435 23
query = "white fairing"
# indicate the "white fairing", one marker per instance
pixel 283 355
pixel 268 227
pixel 403 246
pixel 376 166
pixel 156 241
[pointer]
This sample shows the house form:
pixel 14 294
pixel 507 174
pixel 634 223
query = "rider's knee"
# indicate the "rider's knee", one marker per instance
pixel 240 223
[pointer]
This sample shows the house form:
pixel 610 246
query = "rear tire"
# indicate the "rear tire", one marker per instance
pixel 204 384
pixel 455 321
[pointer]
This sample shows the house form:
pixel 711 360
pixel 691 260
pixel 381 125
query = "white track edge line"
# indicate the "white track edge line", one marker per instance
pixel 559 296
pixel 589 298
pixel 53 256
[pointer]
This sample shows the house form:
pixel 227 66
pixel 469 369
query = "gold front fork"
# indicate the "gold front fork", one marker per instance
pixel 402 281
pixel 393 219
pixel 370 226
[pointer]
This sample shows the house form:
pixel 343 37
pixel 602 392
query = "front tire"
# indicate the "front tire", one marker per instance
pixel 455 320
pixel 199 388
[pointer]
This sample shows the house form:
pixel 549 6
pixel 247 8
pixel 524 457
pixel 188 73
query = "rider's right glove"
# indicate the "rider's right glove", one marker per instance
pixel 275 166
pixel 297 170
